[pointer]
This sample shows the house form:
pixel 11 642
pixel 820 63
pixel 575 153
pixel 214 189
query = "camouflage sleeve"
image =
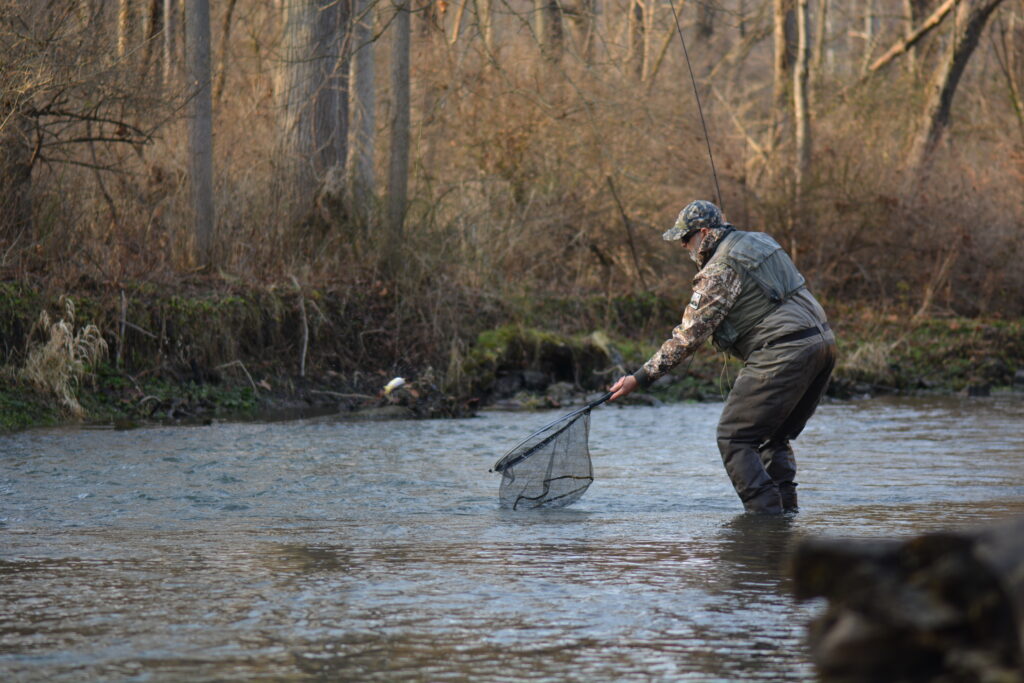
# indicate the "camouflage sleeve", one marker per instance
pixel 715 290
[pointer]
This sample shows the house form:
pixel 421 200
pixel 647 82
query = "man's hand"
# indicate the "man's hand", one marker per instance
pixel 624 385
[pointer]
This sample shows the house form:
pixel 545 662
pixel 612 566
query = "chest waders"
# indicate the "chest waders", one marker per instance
pixel 785 371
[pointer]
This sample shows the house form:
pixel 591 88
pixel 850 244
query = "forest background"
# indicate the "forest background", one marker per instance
pixel 207 206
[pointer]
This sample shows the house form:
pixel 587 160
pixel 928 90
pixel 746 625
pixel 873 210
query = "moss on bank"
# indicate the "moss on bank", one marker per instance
pixel 22 407
pixel 199 355
pixel 891 354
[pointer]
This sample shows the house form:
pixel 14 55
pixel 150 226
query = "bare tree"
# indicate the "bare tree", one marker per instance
pixel 556 30
pixel 868 32
pixel 364 112
pixel 910 20
pixel 583 16
pixel 124 27
pixel 152 24
pixel 398 166
pixel 197 32
pixel 1006 51
pixel 485 21
pixel 801 109
pixel 914 12
pixel 547 25
pixel 705 21
pixel 15 170
pixel 819 58
pixel 648 36
pixel 970 21
pixel 431 16
pixel 225 48
pixel 785 44
pixel 59 93
pixel 636 41
pixel 540 23
pixel 902 46
pixel 170 56
pixel 316 91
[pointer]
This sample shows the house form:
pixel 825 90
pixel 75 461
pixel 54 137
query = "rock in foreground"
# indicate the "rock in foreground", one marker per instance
pixel 941 607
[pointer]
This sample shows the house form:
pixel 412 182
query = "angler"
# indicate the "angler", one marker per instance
pixel 753 303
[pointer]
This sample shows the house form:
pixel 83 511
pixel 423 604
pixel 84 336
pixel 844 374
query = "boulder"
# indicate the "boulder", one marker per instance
pixel 940 607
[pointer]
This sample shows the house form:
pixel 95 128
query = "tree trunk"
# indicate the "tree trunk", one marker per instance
pixel 705 21
pixel 550 31
pixel 430 17
pixel 124 27
pixel 916 35
pixel 821 33
pixel 86 13
pixel 801 108
pixel 785 43
pixel 910 21
pixel 201 126
pixel 869 33
pixel 636 42
pixel 225 44
pixel 970 20
pixel 15 174
pixel 584 21
pixel 486 24
pixel 398 165
pixel 316 91
pixel 915 11
pixel 152 26
pixel 540 25
pixel 170 56
pixel 364 111
pixel 1007 55
pixel 648 44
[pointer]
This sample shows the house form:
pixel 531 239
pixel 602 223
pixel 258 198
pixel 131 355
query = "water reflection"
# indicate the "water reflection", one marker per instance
pixel 754 548
pixel 635 609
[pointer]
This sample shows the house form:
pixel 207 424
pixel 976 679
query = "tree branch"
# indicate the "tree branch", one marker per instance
pixel 76 116
pixel 902 46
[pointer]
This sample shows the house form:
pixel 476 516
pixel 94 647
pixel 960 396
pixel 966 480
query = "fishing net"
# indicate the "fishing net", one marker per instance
pixel 551 467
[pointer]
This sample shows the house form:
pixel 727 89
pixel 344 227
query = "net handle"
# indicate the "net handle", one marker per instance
pixel 590 406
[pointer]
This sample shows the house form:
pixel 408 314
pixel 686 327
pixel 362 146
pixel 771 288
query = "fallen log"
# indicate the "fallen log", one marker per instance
pixel 944 606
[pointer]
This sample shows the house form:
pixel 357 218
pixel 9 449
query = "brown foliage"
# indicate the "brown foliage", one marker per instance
pixel 509 192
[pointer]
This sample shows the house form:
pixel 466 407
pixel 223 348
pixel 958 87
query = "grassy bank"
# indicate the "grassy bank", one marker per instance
pixel 197 355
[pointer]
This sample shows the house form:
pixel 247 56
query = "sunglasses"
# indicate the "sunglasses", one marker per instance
pixel 687 235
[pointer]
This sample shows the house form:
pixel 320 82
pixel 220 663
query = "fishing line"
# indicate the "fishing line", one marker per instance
pixel 696 95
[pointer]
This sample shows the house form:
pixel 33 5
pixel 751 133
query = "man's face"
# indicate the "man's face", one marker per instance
pixel 693 242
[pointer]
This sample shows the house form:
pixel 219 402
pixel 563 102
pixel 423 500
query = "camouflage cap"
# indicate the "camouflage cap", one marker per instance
pixel 696 215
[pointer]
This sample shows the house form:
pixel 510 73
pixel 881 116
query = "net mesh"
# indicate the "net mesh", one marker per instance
pixel 550 468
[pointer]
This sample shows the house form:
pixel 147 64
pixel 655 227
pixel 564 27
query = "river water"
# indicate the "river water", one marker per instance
pixel 326 549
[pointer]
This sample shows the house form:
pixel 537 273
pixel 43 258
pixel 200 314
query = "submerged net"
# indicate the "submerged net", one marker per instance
pixel 551 467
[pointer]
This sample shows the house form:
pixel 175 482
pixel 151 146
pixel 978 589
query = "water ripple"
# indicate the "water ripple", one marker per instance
pixel 326 549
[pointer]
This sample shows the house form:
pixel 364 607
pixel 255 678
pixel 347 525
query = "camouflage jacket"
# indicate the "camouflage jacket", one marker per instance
pixel 715 290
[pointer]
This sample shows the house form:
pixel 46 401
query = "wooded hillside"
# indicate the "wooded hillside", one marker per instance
pixel 456 157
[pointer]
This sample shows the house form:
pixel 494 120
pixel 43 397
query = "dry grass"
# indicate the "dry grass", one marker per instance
pixel 868 359
pixel 58 365
pixel 509 190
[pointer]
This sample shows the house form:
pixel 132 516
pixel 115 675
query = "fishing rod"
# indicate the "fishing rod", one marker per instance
pixel 696 95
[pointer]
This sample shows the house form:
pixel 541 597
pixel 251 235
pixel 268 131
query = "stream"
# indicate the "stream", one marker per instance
pixel 327 549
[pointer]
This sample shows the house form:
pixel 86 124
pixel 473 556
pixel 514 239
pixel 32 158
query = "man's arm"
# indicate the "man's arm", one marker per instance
pixel 715 290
